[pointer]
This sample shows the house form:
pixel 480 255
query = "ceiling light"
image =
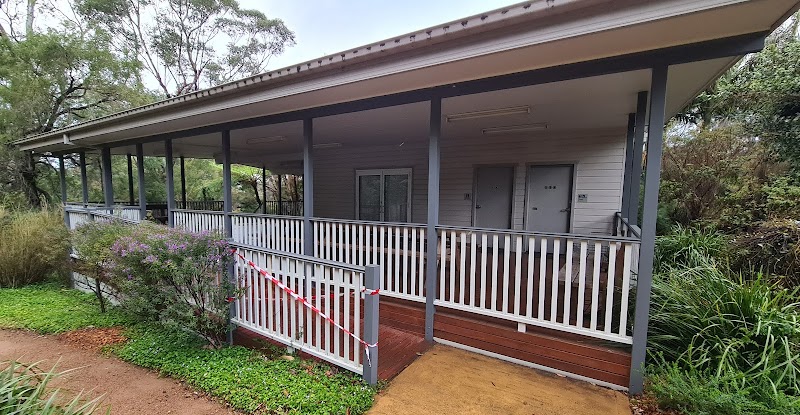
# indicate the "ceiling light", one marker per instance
pixel 327 145
pixel 510 129
pixel 524 109
pixel 272 139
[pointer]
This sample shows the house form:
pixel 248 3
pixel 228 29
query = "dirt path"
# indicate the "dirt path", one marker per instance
pixel 127 389
pixel 451 381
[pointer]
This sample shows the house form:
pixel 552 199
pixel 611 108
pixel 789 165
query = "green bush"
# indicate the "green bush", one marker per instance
pixel 52 309
pixel 245 379
pixel 706 321
pixel 772 247
pixel 696 393
pixel 689 247
pixel 33 245
pixel 24 391
pixel 174 277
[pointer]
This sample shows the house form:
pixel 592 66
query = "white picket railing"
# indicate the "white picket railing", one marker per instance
pixel 282 233
pixel 199 220
pixel 131 213
pixel 399 248
pixel 572 283
pixel 335 289
pixel 76 218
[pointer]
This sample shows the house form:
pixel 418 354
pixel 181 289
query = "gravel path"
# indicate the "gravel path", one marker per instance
pixel 126 389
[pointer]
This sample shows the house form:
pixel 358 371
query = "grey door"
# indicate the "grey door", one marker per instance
pixel 549 201
pixel 493 189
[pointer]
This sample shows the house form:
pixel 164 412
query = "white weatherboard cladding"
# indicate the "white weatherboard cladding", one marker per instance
pixel 598 159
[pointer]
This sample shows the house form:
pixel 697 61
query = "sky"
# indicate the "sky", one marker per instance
pixel 324 27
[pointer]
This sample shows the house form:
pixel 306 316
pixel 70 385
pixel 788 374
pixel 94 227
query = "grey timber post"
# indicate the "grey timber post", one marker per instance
pixel 308 186
pixel 108 187
pixel 170 170
pixel 372 281
pixel 264 189
pixel 431 271
pixel 62 177
pixel 184 205
pixel 638 148
pixel 227 208
pixel 655 133
pixel 84 180
pixel 627 177
pixel 131 198
pixel 140 173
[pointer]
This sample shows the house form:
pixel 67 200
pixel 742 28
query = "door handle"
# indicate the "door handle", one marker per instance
pixel 477 206
pixel 565 210
pixel 534 208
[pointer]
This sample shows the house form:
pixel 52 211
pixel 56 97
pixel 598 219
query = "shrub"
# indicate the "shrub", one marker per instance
pixel 92 242
pixel 24 391
pixel 706 321
pixel 689 247
pixel 33 245
pixel 175 277
pixel 697 393
pixel 772 247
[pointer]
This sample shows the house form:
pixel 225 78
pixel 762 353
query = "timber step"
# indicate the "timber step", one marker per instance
pixel 563 353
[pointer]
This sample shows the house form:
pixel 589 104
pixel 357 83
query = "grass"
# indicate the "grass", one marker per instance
pixel 51 309
pixel 25 390
pixel 245 379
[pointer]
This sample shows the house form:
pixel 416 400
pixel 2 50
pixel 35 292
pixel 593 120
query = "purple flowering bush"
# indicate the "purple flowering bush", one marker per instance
pixel 92 242
pixel 175 277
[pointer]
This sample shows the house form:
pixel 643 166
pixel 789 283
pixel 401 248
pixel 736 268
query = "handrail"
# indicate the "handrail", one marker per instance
pixel 634 229
pixel 210 212
pixel 369 222
pixel 269 216
pixel 311 259
pixel 114 217
pixel 542 234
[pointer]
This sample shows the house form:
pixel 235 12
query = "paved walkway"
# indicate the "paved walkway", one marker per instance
pixel 452 381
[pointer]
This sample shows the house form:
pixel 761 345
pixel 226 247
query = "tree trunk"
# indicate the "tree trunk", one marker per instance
pixel 29 18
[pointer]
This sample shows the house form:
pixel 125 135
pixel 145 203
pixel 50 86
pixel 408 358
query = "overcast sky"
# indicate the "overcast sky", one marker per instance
pixel 323 27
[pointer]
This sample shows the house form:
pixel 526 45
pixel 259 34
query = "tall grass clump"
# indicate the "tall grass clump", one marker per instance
pixel 689 247
pixel 24 390
pixel 721 343
pixel 33 245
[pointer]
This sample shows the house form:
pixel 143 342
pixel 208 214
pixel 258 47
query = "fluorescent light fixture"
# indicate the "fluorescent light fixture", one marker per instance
pixel 511 129
pixel 328 145
pixel 524 109
pixel 272 139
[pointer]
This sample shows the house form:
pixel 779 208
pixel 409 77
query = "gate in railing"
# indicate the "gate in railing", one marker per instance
pixel 337 290
pixel 399 248
pixel 572 283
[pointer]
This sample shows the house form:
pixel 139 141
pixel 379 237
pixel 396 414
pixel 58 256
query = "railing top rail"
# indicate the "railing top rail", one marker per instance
pixel 210 212
pixel 633 228
pixel 309 259
pixel 115 217
pixel 541 234
pixel 369 222
pixel 262 215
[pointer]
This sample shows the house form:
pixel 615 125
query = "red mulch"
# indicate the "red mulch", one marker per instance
pixel 92 338
pixel 647 405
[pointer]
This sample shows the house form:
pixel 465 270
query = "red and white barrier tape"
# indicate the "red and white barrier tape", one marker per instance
pixel 306 303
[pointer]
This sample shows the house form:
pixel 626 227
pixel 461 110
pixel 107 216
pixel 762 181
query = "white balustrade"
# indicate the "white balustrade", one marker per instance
pixel 281 233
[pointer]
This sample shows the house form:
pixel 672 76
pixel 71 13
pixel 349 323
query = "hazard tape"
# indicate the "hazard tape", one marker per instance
pixel 306 303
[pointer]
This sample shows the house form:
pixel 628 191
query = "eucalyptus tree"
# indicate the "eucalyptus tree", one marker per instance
pixel 186 45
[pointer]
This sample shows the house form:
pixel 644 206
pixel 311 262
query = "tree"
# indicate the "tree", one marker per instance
pixel 53 79
pixel 187 45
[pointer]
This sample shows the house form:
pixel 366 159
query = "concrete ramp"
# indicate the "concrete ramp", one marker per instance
pixel 451 381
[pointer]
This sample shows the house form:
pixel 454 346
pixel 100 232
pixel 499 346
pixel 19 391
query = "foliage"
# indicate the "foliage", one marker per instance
pixel 706 321
pixel 689 247
pixel 772 247
pixel 697 393
pixel 245 379
pixel 175 277
pixel 187 45
pixel 24 390
pixel 34 245
pixel 92 242
pixel 52 309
